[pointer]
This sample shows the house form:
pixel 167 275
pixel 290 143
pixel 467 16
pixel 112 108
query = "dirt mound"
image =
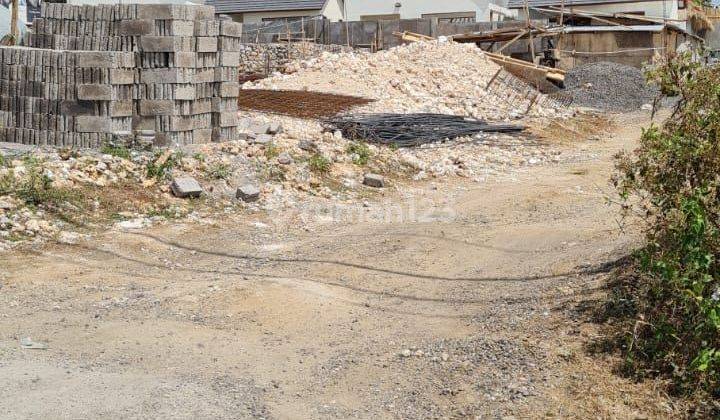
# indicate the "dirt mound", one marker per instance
pixel 608 86
pixel 430 77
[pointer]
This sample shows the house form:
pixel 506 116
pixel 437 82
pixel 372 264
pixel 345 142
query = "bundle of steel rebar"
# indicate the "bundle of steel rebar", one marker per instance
pixel 406 130
pixel 297 103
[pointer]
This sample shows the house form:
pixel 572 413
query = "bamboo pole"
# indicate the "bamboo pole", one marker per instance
pixel 507 44
pixel 531 41
pixel 14 21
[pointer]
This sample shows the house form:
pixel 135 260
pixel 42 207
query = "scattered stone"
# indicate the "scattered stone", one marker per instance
pixel 6 204
pixel 68 238
pixel 275 128
pixel 259 128
pixel 185 187
pixel 262 139
pixel 374 180
pixel 138 223
pixel 248 193
pixel 284 158
pixel 307 145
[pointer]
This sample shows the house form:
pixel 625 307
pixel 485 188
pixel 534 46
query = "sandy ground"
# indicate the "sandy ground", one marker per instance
pixel 465 301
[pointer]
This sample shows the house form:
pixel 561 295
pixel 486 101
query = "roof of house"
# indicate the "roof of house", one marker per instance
pixel 518 4
pixel 244 6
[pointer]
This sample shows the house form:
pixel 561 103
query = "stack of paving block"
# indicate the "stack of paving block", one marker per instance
pixel 186 62
pixel 60 98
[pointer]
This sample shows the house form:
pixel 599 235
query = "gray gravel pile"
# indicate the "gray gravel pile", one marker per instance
pixel 608 86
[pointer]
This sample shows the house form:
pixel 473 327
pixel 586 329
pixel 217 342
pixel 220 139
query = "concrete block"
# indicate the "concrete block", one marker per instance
pixel 143 123
pixel 88 124
pixel 227 119
pixel 122 76
pixel 181 124
pixel 162 44
pixel 150 108
pixel 182 28
pixel 206 44
pixel 185 59
pixel 136 27
pixel 96 59
pixel 123 108
pixel 202 106
pixel 229 59
pixel 202 135
pixel 229 89
pixel 73 108
pixel 231 29
pixel 167 75
pixel 374 180
pixel 204 12
pixel 185 187
pixel 95 92
pixel 185 93
pixel 204 76
pixel 162 12
pixel 248 192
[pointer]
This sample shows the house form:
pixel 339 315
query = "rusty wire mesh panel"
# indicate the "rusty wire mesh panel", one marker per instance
pixel 297 103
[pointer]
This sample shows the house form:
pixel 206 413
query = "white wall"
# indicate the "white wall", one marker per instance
pixel 259 16
pixel 334 10
pixel 413 9
pixel 666 9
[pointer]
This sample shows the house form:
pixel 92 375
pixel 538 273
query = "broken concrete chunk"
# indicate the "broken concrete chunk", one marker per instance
pixel 307 145
pixel 374 180
pixel 185 187
pixel 275 128
pixel 259 128
pixel 284 158
pixel 262 139
pixel 248 193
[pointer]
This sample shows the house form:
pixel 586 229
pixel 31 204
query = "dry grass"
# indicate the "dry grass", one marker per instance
pixel 572 130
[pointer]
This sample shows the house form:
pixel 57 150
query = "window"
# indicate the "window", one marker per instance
pixel 681 4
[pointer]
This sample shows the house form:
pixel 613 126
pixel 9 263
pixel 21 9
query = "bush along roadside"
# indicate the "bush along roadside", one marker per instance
pixel 671 292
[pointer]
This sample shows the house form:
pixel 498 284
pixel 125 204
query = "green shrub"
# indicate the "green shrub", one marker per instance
pixel 271 151
pixel 35 188
pixel 672 181
pixel 319 164
pixel 161 169
pixel 360 153
pixel 117 151
pixel 220 171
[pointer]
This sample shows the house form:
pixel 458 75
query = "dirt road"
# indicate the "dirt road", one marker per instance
pixel 470 308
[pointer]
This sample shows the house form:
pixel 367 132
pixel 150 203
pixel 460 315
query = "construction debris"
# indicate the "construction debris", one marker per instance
pixel 300 104
pixel 374 180
pixel 422 77
pixel 248 193
pixel 405 130
pixel 185 187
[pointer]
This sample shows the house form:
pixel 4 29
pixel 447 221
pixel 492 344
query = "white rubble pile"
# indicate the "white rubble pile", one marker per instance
pixel 446 78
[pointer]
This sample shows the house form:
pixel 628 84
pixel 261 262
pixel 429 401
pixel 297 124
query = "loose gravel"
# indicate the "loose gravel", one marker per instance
pixel 608 86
